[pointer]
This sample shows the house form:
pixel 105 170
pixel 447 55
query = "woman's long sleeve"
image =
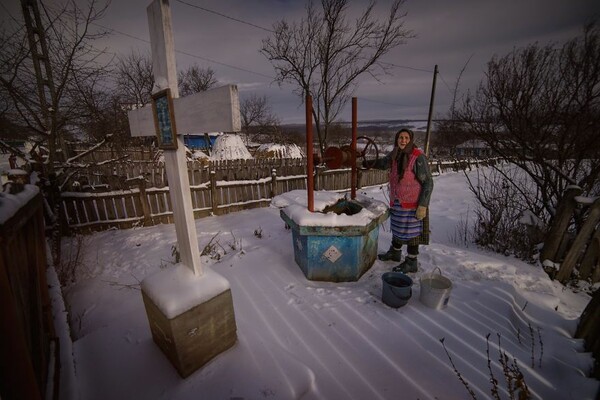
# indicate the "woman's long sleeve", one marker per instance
pixel 423 175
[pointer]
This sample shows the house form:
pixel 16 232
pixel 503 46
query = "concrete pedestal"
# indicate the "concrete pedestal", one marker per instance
pixel 193 337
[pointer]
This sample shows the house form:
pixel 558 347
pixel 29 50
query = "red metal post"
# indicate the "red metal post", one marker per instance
pixel 353 178
pixel 310 186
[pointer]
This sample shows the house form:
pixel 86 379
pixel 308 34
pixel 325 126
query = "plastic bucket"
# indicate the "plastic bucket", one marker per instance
pixel 435 289
pixel 397 289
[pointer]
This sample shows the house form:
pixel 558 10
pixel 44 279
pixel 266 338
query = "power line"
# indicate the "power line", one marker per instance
pixel 253 72
pixel 225 16
pixel 406 67
pixel 188 54
pixel 447 86
pixel 272 31
pixel 226 65
pixel 119 32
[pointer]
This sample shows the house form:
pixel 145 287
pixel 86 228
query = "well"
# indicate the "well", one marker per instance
pixel 339 242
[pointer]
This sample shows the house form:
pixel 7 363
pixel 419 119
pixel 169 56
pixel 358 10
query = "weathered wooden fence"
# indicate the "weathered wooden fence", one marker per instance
pixel 588 329
pixel 115 175
pixel 142 205
pixel 111 152
pixel 229 187
pixel 28 340
pixel 574 242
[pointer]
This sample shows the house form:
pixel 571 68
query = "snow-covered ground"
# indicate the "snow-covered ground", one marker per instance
pixel 319 340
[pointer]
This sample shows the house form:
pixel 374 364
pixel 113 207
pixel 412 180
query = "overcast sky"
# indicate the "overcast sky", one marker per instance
pixel 448 33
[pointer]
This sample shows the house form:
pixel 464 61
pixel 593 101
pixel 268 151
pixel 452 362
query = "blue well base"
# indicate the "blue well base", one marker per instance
pixel 334 254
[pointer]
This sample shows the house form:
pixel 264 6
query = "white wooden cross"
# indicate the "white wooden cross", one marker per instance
pixel 215 110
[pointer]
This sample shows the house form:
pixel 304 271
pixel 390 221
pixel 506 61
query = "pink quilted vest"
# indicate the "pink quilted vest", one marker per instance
pixel 407 190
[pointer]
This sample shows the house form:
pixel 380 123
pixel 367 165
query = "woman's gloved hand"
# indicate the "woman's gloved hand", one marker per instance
pixel 421 212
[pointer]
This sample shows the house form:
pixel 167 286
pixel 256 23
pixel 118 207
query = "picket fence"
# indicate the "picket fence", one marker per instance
pixel 142 198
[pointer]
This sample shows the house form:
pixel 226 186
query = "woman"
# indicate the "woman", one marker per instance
pixel 411 185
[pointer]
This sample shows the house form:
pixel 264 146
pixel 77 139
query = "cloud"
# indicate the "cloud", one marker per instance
pixel 226 35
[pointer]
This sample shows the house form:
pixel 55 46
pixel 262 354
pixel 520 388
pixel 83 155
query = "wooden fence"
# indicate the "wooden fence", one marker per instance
pixel 28 341
pixel 111 152
pixel 588 329
pixel 141 201
pixel 115 176
pixel 574 242
pixel 142 205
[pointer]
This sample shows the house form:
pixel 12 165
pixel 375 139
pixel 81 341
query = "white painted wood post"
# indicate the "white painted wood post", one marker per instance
pixel 165 76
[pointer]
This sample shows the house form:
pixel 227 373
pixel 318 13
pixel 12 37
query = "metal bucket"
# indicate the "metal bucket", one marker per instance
pixel 397 289
pixel 435 289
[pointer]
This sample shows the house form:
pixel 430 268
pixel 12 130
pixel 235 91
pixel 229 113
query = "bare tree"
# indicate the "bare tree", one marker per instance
pixel 258 119
pixel 37 85
pixel 539 108
pixel 450 132
pixel 47 57
pixel 134 79
pixel 196 79
pixel 325 53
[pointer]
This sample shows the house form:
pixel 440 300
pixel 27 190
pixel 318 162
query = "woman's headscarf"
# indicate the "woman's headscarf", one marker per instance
pixel 402 156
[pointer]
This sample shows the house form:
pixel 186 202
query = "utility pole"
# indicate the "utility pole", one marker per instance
pixel 38 47
pixel 428 134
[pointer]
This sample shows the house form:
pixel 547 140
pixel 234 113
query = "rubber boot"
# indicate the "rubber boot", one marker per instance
pixel 409 264
pixel 392 254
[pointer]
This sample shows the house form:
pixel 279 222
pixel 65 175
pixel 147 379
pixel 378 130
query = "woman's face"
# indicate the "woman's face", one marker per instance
pixel 403 140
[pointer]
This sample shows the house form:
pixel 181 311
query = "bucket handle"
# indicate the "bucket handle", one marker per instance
pixel 438 268
pixel 402 297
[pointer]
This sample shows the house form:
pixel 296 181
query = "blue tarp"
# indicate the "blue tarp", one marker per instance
pixel 199 142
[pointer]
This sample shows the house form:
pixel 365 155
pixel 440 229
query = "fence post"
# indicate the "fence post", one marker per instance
pixel 563 215
pixel 273 182
pixel 589 264
pixel 588 329
pixel 144 202
pixel 213 192
pixel 566 267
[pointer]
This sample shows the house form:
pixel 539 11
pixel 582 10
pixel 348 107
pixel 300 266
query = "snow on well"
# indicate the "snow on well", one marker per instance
pixel 229 147
pixel 295 205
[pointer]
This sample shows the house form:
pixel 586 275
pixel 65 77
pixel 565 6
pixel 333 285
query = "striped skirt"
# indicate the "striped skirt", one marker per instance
pixel 406 228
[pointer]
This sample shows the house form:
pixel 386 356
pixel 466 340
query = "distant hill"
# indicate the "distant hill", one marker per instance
pixel 376 125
